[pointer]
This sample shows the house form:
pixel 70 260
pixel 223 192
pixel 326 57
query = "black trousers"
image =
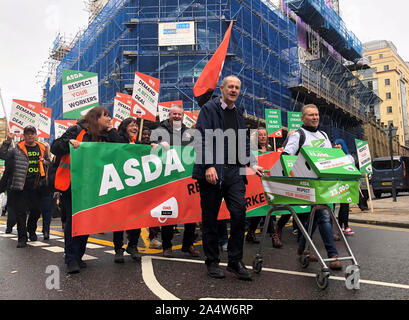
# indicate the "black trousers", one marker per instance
pixel 232 190
pixel 343 215
pixel 132 235
pixel 74 246
pixel 188 236
pixel 23 202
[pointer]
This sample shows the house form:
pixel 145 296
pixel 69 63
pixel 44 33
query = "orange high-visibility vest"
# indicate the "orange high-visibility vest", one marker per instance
pixel 63 173
pixel 22 146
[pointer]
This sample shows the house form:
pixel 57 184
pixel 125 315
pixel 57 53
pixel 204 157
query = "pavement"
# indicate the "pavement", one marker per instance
pixel 386 212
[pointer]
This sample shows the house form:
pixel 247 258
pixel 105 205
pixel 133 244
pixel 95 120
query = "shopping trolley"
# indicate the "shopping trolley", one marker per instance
pixel 352 274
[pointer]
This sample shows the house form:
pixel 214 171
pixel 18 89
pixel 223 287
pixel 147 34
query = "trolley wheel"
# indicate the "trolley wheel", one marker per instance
pixel 257 265
pixel 322 280
pixel 305 261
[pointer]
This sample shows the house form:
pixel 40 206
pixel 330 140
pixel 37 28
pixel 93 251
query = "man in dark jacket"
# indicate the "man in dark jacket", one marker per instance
pixel 173 132
pixel 28 160
pixel 221 154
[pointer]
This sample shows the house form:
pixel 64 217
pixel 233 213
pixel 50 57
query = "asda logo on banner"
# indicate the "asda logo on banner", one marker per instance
pixel 116 170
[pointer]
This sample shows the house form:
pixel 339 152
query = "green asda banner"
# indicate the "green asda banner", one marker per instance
pixel 119 186
pixel 283 190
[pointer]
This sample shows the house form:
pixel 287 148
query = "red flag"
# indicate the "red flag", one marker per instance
pixel 209 77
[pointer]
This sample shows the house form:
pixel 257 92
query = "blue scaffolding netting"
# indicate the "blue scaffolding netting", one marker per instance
pixel 263 51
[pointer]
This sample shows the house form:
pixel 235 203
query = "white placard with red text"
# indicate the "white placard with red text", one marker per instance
pixel 146 94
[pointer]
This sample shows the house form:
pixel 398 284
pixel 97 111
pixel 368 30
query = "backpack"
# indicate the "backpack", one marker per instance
pixel 300 142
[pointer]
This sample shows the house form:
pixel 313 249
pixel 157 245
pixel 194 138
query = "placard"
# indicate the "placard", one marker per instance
pixel 80 93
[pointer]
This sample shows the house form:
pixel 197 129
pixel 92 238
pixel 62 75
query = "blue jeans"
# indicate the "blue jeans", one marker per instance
pixel 323 220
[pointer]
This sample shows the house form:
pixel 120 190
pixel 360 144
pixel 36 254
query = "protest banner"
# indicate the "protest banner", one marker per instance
pixel 294 120
pixel 123 103
pixel 164 108
pixel 273 123
pixel 44 123
pixel 365 165
pixel 110 180
pixel 23 113
pixel 80 93
pixel 145 93
pixel 60 126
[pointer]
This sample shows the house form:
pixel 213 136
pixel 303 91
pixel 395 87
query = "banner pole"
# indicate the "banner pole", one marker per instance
pixel 140 130
pixel 369 192
pixel 274 144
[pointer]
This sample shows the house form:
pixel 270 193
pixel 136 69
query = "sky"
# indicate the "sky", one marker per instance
pixel 28 29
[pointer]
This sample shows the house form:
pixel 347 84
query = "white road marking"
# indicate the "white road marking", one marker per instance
pixel 152 283
pixel 87 257
pixel 156 288
pixel 37 243
pixel 93 246
pixel 8 235
pixel 54 249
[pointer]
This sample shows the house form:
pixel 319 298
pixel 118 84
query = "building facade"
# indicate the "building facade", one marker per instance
pixel 390 77
pixel 284 58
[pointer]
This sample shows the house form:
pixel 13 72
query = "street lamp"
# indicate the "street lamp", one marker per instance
pixel 391 132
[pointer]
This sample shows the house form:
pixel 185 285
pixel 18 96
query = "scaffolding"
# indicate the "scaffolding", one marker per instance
pixel 123 38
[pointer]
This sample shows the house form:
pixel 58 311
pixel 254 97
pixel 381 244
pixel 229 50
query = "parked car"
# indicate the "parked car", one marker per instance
pixel 382 175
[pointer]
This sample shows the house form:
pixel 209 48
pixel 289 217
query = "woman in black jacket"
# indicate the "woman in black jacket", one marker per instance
pixel 128 131
pixel 98 127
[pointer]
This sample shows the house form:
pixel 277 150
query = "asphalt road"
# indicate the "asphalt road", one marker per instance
pixel 38 271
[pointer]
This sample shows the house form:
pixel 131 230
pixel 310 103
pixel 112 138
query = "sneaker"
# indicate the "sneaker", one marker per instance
pixel 348 231
pixel 335 265
pixel 119 256
pixel 155 244
pixel 46 235
pixel 133 251
pixel 9 230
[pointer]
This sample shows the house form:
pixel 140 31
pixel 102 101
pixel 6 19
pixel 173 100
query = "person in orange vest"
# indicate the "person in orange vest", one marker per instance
pixel 95 126
pixel 29 161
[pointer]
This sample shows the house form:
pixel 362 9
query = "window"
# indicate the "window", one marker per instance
pixel 380 56
pixel 386 68
pixel 370 85
pixel 387 82
pixel 390 123
pixel 370 58
pixel 388 95
pixel 389 109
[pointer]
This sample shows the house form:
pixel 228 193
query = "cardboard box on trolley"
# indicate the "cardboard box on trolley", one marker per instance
pixel 318 176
